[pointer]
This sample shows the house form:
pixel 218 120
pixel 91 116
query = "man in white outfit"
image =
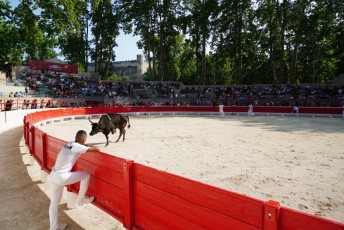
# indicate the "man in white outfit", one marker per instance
pixel 222 114
pixel 61 176
pixel 296 110
pixel 250 111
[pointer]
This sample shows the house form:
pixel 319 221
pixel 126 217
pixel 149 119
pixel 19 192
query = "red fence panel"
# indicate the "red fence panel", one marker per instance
pixel 164 199
pixel 292 219
pixel 53 146
pixel 31 139
pixel 319 110
pixel 38 148
pixel 107 181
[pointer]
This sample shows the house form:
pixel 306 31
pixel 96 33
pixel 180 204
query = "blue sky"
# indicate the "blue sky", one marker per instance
pixel 126 49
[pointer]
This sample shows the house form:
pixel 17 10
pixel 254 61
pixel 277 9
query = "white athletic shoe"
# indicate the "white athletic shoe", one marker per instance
pixel 85 200
pixel 61 227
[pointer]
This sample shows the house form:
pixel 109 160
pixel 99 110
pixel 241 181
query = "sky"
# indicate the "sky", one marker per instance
pixel 126 49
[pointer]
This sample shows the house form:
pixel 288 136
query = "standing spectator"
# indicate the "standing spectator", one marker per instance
pixel 27 104
pixel 250 111
pixel 42 104
pixel 9 104
pixel 295 110
pixel 61 175
pixel 24 104
pixel 48 105
pixel 34 104
pixel 222 114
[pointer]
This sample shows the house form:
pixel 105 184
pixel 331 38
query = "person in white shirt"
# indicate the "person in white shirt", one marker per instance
pixel 61 176
pixel 296 110
pixel 250 111
pixel 222 114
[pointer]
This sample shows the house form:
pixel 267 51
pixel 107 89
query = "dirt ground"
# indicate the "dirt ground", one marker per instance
pixel 297 161
pixel 25 199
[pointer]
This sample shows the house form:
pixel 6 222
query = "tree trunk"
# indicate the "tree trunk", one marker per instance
pixel 204 64
pixel 293 67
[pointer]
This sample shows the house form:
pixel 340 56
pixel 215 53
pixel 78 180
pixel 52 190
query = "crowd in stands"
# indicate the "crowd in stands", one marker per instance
pixel 271 95
pixel 58 85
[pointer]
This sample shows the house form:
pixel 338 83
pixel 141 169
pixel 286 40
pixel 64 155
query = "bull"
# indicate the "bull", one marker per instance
pixel 108 123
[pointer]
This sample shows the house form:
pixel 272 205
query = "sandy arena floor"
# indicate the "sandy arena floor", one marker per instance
pixel 298 161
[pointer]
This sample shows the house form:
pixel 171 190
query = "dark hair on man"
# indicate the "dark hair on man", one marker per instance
pixel 81 134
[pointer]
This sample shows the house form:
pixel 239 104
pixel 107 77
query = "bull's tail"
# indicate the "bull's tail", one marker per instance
pixel 128 122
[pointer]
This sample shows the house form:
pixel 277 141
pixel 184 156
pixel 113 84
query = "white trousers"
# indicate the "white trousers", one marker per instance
pixel 58 182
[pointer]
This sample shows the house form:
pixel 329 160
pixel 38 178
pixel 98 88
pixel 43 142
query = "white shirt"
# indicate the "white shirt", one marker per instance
pixel 68 156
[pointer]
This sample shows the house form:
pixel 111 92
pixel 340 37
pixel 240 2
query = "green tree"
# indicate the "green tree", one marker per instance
pixel 10 51
pixel 105 29
pixel 232 36
pixel 35 44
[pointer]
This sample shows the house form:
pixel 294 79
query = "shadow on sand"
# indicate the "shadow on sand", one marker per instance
pixel 23 203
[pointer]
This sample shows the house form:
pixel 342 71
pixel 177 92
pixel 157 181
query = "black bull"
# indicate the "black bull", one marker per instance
pixel 109 123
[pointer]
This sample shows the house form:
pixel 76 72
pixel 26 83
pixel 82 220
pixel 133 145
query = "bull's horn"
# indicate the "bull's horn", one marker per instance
pixel 90 120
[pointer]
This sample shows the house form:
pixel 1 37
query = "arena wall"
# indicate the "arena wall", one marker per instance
pixel 142 197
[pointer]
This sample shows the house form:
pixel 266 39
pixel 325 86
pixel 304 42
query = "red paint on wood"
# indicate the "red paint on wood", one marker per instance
pixel 271 215
pixel 128 194
pixel 232 205
pixel 293 219
pixel 178 213
pixel 38 145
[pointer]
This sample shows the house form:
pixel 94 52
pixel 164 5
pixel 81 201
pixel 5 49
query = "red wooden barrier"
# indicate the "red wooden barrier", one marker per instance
pixel 271 214
pixel 52 148
pixel 292 219
pixel 108 182
pixel 172 202
pixel 145 198
pixel 38 146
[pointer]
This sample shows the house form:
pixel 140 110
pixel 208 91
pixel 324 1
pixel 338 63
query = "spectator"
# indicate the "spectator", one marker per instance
pixel 42 104
pixel 222 114
pixel 48 105
pixel 24 104
pixel 250 111
pixel 27 104
pixel 9 104
pixel 34 104
pixel 295 110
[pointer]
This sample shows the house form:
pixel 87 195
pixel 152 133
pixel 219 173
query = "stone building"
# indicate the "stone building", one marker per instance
pixel 134 69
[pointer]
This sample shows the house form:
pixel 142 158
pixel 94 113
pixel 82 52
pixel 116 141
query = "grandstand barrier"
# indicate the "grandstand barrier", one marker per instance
pixel 142 197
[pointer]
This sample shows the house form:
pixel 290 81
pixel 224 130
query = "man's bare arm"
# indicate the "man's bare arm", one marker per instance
pixel 93 149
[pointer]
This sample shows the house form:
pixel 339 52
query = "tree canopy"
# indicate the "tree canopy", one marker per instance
pixel 193 41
